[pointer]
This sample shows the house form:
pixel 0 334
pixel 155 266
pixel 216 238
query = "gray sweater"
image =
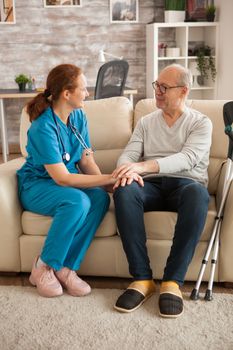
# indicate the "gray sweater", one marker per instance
pixel 181 150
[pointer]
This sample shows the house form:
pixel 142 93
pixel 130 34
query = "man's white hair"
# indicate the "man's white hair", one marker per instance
pixel 185 76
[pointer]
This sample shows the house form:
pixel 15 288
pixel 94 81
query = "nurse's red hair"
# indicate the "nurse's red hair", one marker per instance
pixel 60 78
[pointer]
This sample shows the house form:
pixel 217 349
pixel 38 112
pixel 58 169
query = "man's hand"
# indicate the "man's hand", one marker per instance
pixel 149 166
pixel 128 169
pixel 127 180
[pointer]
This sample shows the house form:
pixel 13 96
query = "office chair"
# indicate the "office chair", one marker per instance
pixel 111 79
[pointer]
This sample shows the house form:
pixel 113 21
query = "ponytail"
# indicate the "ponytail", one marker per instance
pixel 38 105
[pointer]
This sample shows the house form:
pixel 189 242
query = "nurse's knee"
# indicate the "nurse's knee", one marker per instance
pixel 77 201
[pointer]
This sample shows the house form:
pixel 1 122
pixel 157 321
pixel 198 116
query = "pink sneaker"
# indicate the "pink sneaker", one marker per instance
pixel 74 285
pixel 46 282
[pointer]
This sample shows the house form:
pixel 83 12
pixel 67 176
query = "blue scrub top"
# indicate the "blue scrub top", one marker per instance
pixel 44 146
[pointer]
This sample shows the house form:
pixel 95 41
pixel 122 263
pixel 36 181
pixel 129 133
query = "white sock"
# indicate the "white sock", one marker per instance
pixel 40 262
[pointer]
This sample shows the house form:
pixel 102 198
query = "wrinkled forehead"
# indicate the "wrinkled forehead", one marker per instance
pixel 169 76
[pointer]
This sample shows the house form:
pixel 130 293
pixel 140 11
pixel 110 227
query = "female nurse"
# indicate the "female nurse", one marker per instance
pixel 61 179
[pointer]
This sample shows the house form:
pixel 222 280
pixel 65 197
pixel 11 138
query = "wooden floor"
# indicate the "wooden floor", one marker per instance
pixel 21 279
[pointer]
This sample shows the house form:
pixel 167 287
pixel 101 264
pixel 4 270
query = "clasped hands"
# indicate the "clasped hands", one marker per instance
pixel 127 173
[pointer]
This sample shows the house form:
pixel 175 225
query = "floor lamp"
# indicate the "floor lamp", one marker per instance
pixel 102 54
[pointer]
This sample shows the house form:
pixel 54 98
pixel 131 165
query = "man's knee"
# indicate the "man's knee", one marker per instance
pixel 197 194
pixel 127 192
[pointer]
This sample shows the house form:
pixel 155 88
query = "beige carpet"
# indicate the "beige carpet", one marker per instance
pixel 29 322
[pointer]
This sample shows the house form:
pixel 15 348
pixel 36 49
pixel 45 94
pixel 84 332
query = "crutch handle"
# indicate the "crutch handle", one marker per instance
pixel 229 131
pixel 228 121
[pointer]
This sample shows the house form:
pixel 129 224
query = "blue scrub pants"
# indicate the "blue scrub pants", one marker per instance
pixel 186 197
pixel 76 216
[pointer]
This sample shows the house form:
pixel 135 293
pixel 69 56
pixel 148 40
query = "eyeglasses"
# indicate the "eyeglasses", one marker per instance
pixel 163 89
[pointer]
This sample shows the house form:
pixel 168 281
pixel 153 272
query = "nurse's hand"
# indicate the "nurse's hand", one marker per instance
pixel 127 180
pixel 127 169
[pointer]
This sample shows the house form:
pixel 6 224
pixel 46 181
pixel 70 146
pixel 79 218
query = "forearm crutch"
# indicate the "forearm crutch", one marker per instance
pixel 214 240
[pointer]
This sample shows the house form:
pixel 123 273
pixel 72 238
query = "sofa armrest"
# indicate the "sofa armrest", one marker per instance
pixel 10 216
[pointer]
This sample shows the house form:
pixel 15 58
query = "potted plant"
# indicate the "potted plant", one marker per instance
pixel 210 13
pixel 22 80
pixel 174 10
pixel 205 63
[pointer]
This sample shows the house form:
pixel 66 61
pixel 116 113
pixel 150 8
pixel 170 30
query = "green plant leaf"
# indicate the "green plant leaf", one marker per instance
pixel 21 78
pixel 205 62
pixel 175 5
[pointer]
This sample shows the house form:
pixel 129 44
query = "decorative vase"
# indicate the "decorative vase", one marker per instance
pixel 173 52
pixel 174 16
pixel 195 73
pixel 22 86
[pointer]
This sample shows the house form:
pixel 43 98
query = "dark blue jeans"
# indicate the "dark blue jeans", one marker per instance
pixel 186 197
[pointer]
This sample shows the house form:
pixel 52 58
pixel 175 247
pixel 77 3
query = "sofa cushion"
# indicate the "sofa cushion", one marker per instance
pixel 110 122
pixel 160 225
pixel 214 111
pixel 38 225
pixel 144 107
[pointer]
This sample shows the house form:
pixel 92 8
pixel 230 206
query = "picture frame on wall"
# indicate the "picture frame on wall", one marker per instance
pixel 123 11
pixel 7 11
pixel 62 3
pixel 196 10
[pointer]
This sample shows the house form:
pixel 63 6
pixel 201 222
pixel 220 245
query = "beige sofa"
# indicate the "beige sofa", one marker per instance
pixel 111 122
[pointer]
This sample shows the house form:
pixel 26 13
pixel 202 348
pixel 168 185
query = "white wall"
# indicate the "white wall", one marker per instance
pixel 225 64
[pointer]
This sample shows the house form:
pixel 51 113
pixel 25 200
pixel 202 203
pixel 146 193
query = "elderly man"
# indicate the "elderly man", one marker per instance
pixel 170 148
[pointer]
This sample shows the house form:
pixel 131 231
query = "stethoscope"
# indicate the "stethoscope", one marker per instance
pixel 66 155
